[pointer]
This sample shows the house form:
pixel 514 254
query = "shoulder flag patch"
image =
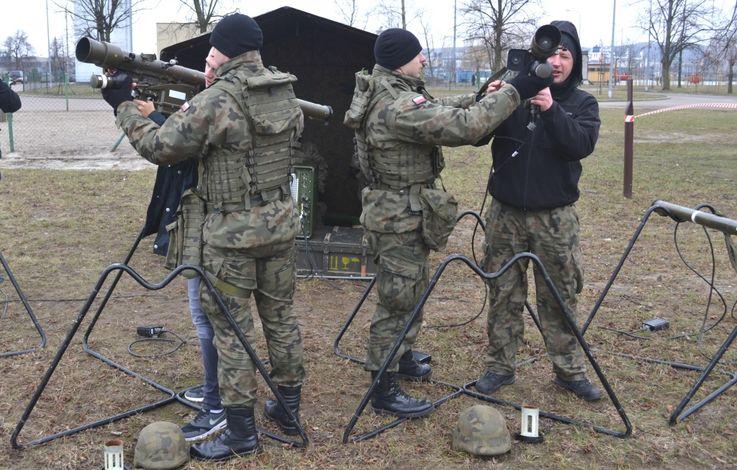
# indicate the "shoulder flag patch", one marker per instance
pixel 418 100
pixel 184 106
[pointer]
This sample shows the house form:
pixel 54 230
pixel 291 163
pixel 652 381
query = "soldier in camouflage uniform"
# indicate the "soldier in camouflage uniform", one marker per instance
pixel 534 189
pixel 242 130
pixel 406 213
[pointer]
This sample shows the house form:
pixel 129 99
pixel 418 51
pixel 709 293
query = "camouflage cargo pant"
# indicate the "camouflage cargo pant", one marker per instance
pixel 402 276
pixel 552 235
pixel 269 273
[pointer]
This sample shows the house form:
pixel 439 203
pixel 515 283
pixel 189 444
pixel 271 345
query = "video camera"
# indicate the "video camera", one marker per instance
pixel 534 61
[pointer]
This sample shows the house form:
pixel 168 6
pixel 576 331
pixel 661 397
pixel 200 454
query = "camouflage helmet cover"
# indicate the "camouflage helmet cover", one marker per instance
pixel 161 445
pixel 482 430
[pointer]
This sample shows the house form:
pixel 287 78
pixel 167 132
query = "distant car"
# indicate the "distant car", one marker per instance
pixel 16 76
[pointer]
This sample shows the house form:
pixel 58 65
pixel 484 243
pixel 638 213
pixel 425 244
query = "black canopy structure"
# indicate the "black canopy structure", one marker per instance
pixel 324 55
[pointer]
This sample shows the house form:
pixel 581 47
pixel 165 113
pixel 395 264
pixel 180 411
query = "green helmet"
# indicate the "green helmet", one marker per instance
pixel 161 445
pixel 482 430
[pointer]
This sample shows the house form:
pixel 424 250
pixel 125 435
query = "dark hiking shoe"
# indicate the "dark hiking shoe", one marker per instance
pixel 490 382
pixel 581 388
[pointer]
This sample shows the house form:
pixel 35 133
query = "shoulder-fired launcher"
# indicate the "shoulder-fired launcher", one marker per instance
pixel 168 83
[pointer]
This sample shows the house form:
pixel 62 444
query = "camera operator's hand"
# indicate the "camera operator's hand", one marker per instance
pixel 145 107
pixel 528 85
pixel 494 86
pixel 115 96
pixel 543 99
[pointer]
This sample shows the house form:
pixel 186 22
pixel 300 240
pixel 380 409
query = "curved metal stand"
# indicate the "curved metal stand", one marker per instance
pixel 678 214
pixel 171 394
pixel 463 389
pixel 29 310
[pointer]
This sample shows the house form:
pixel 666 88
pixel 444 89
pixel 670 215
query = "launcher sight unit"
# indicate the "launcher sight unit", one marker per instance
pixel 166 83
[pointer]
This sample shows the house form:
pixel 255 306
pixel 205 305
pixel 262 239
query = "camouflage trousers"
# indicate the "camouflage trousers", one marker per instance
pixel 552 235
pixel 267 272
pixel 402 276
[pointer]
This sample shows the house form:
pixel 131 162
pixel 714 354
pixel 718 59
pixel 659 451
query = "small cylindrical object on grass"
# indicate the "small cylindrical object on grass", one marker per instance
pixel 114 454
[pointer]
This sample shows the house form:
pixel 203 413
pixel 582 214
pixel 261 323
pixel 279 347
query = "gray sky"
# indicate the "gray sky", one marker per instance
pixel 592 17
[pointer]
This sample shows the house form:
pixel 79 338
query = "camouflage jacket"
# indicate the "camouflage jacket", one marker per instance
pixel 410 117
pixel 212 128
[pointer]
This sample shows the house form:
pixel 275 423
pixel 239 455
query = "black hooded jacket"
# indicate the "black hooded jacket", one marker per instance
pixel 9 100
pixel 540 169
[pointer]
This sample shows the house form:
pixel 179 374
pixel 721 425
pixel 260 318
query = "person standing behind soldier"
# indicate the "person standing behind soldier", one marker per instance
pixel 241 129
pixel 171 182
pixel 9 100
pixel 406 213
pixel 534 187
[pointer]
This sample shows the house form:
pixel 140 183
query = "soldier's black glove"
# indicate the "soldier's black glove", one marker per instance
pixel 117 95
pixel 528 85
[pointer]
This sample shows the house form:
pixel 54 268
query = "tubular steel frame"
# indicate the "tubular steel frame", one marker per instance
pixel 459 390
pixel 29 310
pixel 678 214
pixel 171 396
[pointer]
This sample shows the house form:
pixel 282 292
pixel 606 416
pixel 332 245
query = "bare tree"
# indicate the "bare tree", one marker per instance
pixel 203 12
pixel 394 13
pixel 728 42
pixel 18 48
pixel 99 18
pixel 676 25
pixel 498 25
pixel 429 43
pixel 348 10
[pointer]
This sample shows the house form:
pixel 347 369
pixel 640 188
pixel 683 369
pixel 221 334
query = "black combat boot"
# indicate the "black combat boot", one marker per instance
pixel 239 438
pixel 410 369
pixel 582 388
pixel 274 411
pixel 389 398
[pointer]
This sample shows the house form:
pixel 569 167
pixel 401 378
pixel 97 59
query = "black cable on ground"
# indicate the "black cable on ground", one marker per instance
pixel 178 342
pixel 703 329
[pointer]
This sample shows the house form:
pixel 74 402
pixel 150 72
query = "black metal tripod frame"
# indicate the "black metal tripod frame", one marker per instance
pixel 171 396
pixel 29 310
pixel 678 214
pixel 464 389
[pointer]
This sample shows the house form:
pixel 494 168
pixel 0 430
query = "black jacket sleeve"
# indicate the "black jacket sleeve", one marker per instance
pixel 157 117
pixel 574 135
pixel 9 100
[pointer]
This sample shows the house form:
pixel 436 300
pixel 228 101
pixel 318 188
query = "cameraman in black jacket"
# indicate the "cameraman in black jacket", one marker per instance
pixel 534 186
pixel 9 100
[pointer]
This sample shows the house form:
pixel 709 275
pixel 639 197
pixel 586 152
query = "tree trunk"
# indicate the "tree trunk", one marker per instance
pixel 665 73
pixel 730 77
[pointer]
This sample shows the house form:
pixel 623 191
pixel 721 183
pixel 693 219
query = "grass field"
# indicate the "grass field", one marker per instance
pixel 59 229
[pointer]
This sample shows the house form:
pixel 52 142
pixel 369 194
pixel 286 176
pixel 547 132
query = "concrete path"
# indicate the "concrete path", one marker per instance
pixel 673 99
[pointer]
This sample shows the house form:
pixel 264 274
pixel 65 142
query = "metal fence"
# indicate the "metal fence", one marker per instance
pixel 54 122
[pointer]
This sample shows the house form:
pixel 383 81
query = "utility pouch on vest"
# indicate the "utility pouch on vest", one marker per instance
pixel 185 233
pixel 361 97
pixel 439 212
pixel 438 162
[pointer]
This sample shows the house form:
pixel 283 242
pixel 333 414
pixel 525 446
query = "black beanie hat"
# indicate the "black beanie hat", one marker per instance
pixel 236 34
pixel 395 47
pixel 567 41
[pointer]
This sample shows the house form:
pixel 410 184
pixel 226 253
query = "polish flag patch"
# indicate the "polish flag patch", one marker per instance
pixel 419 100
pixel 185 106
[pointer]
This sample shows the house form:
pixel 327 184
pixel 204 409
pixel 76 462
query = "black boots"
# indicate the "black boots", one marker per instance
pixel 239 438
pixel 389 398
pixel 410 369
pixel 490 382
pixel 276 413
pixel 581 388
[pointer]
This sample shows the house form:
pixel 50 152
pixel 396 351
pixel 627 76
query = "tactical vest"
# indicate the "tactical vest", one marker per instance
pixel 401 166
pixel 274 118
